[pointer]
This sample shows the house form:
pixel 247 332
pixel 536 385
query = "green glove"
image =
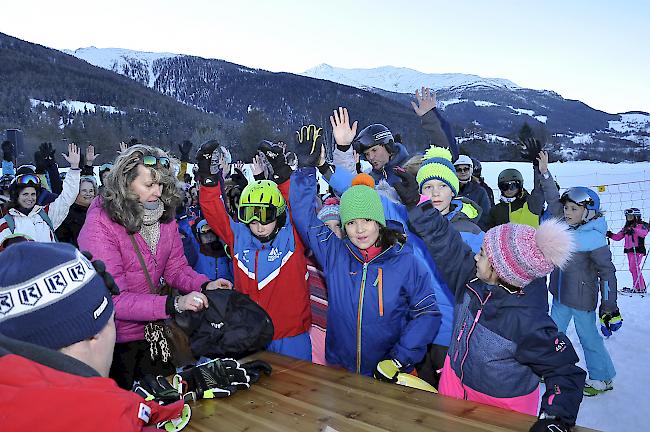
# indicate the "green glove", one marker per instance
pixel 387 370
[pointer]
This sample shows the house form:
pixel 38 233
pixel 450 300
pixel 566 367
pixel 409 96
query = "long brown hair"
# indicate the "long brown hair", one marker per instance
pixel 122 204
pixel 389 237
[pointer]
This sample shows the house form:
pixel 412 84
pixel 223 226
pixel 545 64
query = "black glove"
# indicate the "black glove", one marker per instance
pixel 274 154
pixel 204 162
pixel 185 147
pixel 47 152
pixel 8 151
pixel 255 369
pixel 239 179
pixel 216 379
pixel 308 144
pixel 40 163
pixel 530 150
pixel 407 189
pixel 549 425
pixel 156 388
pixel 609 234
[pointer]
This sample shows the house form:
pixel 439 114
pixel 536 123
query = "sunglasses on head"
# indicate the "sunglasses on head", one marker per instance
pixel 511 185
pixel 152 161
pixel 28 179
pixel 263 214
pixel 461 169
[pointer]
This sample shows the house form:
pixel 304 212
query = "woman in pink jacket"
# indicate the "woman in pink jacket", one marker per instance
pixel 139 203
pixel 634 233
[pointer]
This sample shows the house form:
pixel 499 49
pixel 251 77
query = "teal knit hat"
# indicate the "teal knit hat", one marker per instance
pixel 436 165
pixel 361 201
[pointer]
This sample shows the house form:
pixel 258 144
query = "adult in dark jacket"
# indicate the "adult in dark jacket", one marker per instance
pixel 471 189
pixel 478 177
pixel 69 230
pixel 503 338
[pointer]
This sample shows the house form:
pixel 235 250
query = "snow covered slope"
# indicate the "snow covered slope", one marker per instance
pixel 137 65
pixel 402 80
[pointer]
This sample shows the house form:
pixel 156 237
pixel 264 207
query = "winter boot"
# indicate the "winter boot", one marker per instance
pixel 595 387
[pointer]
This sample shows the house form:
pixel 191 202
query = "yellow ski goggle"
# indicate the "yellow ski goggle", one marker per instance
pixel 264 214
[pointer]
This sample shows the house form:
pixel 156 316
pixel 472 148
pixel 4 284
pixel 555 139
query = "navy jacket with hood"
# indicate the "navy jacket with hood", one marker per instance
pixel 503 340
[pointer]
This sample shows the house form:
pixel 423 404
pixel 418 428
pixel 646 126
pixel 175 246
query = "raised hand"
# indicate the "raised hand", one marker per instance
pixel 309 145
pixel 542 162
pixel 273 153
pixel 426 101
pixel 341 130
pixel 204 163
pixel 185 148
pixel 47 151
pixel 257 166
pixel 408 188
pixel 530 148
pixel 123 147
pixel 74 155
pixel 90 155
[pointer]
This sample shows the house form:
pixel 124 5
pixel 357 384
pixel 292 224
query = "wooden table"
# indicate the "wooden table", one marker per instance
pixel 301 396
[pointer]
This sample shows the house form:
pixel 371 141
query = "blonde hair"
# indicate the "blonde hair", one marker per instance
pixel 122 204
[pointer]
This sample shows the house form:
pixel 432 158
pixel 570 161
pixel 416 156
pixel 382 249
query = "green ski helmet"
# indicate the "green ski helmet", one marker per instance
pixel 261 201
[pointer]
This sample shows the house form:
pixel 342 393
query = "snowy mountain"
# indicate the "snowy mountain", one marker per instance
pixel 403 80
pixel 140 66
pixel 486 113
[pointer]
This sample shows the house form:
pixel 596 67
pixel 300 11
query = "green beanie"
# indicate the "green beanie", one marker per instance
pixel 361 201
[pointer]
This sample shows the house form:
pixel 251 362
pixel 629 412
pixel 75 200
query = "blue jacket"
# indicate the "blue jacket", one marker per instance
pixel 503 341
pixel 463 216
pixel 398 158
pixel 396 212
pixel 381 309
pixel 476 193
pixel 213 268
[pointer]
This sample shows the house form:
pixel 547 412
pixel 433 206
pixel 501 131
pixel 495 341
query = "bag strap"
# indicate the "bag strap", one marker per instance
pixel 43 214
pixel 152 287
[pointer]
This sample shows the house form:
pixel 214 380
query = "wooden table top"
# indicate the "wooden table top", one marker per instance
pixel 301 396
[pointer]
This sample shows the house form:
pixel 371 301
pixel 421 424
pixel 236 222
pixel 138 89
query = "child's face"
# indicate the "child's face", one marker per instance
pixel 363 233
pixel 573 213
pixel 335 226
pixel 440 194
pixel 260 230
pixel 484 270
pixel 629 217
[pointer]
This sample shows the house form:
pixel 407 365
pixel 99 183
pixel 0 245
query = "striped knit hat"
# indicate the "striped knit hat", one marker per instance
pixel 436 165
pixel 520 253
pixel 330 210
pixel 362 201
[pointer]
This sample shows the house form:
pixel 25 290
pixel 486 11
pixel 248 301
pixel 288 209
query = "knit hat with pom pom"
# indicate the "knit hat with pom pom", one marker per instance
pixel 520 253
pixel 361 201
pixel 436 165
pixel 330 210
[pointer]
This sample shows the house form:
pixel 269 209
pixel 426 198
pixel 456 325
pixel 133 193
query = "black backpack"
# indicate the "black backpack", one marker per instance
pixel 233 325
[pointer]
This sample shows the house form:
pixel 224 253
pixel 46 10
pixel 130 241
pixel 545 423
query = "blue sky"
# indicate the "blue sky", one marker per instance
pixel 595 51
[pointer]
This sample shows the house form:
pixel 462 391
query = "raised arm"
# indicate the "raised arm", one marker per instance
pixel 437 128
pixel 548 187
pixel 59 208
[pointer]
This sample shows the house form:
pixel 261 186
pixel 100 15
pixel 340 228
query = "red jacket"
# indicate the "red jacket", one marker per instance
pixel 36 397
pixel 272 274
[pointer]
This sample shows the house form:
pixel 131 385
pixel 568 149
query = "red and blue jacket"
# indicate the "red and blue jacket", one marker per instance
pixel 273 274
pixel 378 309
pixel 503 340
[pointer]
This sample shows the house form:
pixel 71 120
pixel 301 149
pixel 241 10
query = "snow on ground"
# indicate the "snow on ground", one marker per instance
pixel 631 122
pixel 625 185
pixel 76 106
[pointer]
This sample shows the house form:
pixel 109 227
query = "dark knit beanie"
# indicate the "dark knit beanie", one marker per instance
pixel 50 295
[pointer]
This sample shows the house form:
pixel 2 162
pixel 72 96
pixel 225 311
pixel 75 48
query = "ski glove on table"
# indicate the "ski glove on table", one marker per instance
pixel 387 370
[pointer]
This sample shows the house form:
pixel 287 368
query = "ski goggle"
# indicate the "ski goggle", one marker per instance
pixel 511 185
pixel 263 214
pixel 633 212
pixel 152 161
pixel 578 196
pixel 28 179
pixel 463 168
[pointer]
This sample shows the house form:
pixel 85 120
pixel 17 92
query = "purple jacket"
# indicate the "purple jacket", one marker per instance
pixel 135 306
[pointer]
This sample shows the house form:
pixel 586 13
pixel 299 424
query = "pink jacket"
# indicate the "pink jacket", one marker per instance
pixel 135 306
pixel 639 230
